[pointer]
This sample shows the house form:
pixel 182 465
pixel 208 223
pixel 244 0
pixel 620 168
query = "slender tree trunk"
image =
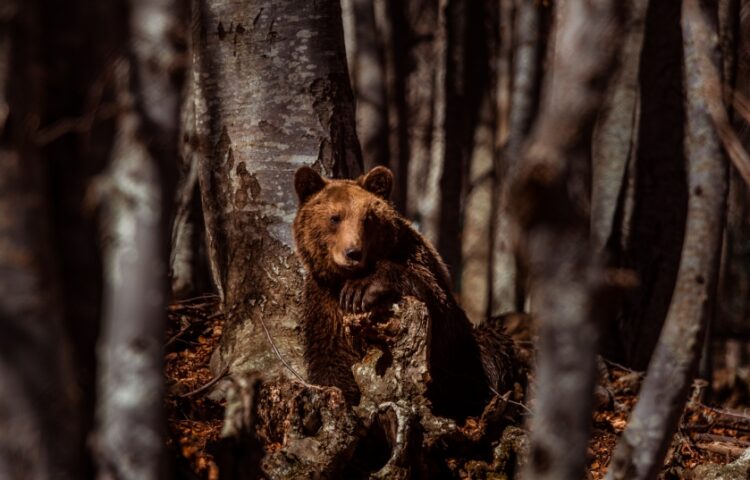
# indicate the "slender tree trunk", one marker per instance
pixel 39 418
pixel 369 83
pixel 421 85
pixel 477 232
pixel 272 93
pixel 651 246
pixel 507 291
pixel 567 278
pixel 454 135
pixel 129 441
pixel 641 449
pixel 614 143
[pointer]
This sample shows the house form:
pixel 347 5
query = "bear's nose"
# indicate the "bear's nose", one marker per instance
pixel 353 254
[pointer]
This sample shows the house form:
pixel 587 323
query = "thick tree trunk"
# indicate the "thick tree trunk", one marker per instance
pixel 272 93
pixel 641 449
pixel 567 278
pixel 40 436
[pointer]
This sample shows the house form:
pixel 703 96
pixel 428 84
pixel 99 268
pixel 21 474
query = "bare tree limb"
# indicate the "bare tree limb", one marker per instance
pixel 654 419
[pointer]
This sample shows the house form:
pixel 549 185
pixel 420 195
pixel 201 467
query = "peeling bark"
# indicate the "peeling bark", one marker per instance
pixel 272 93
pixel 567 279
pixel 654 419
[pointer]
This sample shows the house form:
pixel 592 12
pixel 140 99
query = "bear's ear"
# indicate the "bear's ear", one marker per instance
pixel 379 181
pixel 307 182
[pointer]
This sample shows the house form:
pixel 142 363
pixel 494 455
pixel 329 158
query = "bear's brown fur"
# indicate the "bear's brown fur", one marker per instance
pixel 358 251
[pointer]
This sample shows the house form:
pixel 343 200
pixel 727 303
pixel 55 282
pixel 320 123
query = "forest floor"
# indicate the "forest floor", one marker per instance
pixel 716 433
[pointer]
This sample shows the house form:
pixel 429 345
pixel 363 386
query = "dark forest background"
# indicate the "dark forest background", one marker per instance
pixel 582 167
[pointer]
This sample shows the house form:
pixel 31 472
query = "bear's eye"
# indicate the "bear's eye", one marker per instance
pixel 335 219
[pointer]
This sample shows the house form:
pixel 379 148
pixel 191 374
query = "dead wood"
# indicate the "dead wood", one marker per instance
pixel 311 432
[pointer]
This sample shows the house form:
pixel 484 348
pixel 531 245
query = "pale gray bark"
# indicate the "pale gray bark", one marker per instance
pixel 615 134
pixel 640 452
pixel 129 441
pixel 136 192
pixel 272 93
pixel 566 277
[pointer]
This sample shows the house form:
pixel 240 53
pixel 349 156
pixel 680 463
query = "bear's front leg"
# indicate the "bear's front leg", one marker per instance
pixel 361 294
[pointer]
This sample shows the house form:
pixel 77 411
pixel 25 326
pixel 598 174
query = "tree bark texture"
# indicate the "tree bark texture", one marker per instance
pixel 641 449
pixel 567 279
pixel 272 94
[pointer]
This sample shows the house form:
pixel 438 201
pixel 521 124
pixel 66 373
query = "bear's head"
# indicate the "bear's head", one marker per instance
pixel 343 226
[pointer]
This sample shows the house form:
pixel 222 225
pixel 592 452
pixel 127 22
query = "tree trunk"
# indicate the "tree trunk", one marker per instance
pixel 477 232
pixel 272 93
pixel 369 83
pixel 426 97
pixel 653 243
pixel 129 441
pixel 507 290
pixel 39 422
pixel 614 143
pixel 641 449
pixel 567 278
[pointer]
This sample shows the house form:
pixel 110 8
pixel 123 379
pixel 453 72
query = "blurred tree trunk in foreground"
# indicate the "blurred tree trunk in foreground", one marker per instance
pixel 640 452
pixel 40 434
pixel 136 212
pixel 567 279
pixel 271 94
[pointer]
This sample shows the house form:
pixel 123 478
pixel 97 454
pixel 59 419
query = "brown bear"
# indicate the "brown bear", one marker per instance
pixel 359 252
